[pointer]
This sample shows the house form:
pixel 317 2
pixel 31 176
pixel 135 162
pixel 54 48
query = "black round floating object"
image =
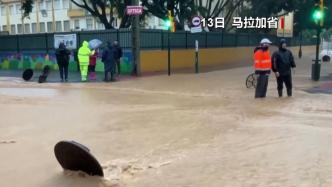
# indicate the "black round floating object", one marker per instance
pixel 27 74
pixel 76 157
pixel 43 76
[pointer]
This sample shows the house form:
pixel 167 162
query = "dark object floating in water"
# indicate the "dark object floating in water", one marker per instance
pixel 76 157
pixel 27 74
pixel 43 77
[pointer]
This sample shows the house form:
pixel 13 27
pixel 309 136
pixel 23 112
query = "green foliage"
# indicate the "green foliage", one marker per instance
pixel 303 11
pixel 27 7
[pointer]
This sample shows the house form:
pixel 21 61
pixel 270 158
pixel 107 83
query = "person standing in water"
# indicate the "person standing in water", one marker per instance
pixel 262 65
pixel 109 62
pixel 282 63
pixel 62 57
pixel 84 54
pixel 92 65
pixel 117 56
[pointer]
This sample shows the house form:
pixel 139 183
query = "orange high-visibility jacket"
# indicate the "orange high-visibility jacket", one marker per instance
pixel 262 60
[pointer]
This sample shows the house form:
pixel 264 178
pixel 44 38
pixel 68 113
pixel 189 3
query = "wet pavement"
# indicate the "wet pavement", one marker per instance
pixel 186 130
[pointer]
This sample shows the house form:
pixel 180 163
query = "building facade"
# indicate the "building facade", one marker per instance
pixel 54 16
pixel 46 16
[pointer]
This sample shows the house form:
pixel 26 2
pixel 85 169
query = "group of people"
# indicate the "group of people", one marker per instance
pixel 281 63
pixel 87 59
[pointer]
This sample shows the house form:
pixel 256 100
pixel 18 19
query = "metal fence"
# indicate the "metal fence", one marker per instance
pixel 150 39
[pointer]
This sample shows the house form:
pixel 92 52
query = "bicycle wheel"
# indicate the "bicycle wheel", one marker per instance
pixel 251 81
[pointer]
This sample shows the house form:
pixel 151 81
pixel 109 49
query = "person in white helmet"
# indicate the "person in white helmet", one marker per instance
pixel 262 66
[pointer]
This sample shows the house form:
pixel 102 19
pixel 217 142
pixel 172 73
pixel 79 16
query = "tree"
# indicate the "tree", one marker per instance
pixel 216 8
pixel 183 10
pixel 27 6
pixel 101 9
pixel 302 11
pixel 104 10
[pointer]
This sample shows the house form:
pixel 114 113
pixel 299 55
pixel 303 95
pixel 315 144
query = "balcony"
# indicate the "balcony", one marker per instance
pixel 76 13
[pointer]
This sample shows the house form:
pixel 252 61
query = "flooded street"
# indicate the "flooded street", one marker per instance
pixel 186 130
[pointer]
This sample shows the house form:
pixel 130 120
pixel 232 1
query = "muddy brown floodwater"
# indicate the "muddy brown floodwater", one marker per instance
pixel 186 130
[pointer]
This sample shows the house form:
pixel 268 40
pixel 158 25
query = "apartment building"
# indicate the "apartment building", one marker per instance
pixel 55 16
pixel 46 16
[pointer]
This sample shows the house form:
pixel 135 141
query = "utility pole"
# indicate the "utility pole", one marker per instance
pixel 136 42
pixel 53 16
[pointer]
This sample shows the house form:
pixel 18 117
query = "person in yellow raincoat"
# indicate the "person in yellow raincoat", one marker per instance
pixel 83 55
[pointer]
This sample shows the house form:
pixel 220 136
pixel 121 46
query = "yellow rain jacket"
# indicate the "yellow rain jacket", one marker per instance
pixel 84 54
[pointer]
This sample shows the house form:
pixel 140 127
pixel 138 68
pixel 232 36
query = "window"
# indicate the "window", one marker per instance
pixel 57 5
pixel 18 9
pixel 65 4
pixel 27 28
pixel 42 5
pixel 42 27
pixel 49 27
pixel 58 26
pixel 89 24
pixel 100 26
pixel 33 8
pixel 3 10
pixel 74 6
pixel 4 28
pixel 12 10
pixel 66 26
pixel 49 4
pixel 12 29
pixel 19 29
pixel 33 27
pixel 76 24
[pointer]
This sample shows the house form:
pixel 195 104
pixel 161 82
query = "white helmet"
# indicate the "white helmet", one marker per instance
pixel 265 41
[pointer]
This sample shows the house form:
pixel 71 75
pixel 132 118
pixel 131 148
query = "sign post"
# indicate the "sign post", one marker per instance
pixel 135 11
pixel 196 57
pixel 169 51
pixel 196 25
pixel 285 26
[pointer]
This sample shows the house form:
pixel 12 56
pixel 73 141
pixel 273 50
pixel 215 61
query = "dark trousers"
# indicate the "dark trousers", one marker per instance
pixel 287 80
pixel 117 61
pixel 109 71
pixel 92 68
pixel 63 69
pixel 107 76
pixel 261 87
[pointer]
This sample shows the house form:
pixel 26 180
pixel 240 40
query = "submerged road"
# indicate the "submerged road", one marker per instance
pixel 186 130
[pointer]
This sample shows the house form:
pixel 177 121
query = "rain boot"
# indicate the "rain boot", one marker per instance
pixel 280 93
pixel 94 76
pixel 289 92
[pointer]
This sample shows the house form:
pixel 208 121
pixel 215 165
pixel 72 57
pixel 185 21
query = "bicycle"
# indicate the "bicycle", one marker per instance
pixel 251 81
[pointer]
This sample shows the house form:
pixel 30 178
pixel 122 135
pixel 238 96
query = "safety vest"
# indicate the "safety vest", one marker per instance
pixel 262 60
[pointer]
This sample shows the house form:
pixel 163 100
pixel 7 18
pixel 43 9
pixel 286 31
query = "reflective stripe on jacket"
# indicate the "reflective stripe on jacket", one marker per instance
pixel 262 60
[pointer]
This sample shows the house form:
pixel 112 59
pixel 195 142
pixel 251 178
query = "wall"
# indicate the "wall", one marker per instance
pixel 151 60
pixel 157 60
pixel 37 60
